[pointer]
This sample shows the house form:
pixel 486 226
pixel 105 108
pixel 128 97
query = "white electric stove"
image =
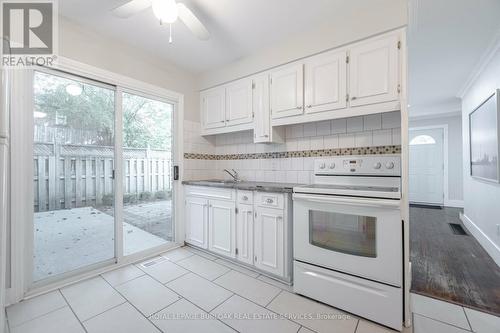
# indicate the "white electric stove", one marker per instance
pixel 348 243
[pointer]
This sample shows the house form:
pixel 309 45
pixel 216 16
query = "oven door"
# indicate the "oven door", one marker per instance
pixel 358 236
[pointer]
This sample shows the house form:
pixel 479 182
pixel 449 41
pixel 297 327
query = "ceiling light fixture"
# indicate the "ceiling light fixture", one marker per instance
pixel 74 89
pixel 166 11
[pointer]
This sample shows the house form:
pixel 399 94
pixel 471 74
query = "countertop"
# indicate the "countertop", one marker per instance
pixel 245 185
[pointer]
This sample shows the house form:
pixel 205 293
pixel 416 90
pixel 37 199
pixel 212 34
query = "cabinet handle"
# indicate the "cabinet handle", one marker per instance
pixel 269 201
pixel 309 106
pixel 222 121
pixel 353 98
pixel 245 198
pixel 266 136
pixel 299 107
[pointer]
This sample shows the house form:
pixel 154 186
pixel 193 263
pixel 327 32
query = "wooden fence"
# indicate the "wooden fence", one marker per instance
pixel 69 176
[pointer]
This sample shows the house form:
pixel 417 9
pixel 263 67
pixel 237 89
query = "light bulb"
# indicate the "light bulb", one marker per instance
pixel 165 10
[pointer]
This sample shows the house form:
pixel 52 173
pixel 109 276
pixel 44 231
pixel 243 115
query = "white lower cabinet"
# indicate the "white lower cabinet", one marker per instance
pixel 249 227
pixel 244 234
pixel 221 227
pixel 196 216
pixel 269 240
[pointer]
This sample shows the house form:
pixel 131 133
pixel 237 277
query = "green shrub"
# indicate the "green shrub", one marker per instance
pixel 108 199
pixel 146 196
pixel 163 195
pixel 129 198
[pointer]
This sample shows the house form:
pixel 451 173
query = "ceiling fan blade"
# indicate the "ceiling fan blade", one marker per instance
pixel 131 8
pixel 192 22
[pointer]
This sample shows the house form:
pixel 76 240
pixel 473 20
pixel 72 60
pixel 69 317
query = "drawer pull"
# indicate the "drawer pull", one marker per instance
pixel 245 198
pixel 269 201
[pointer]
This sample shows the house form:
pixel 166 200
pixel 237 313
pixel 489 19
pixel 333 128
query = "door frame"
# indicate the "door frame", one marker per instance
pixel 444 127
pixel 22 195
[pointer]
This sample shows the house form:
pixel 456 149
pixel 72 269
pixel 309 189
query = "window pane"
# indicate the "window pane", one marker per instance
pixel 344 233
pixel 72 176
pixel 147 141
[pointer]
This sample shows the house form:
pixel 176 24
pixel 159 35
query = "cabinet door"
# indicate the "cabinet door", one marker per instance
pixel 196 215
pixel 239 102
pixel 221 230
pixel 244 234
pixel 374 74
pixel 269 240
pixel 287 91
pixel 213 108
pixel 261 110
pixel 326 82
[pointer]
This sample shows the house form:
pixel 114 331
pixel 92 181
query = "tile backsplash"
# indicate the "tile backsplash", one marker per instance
pixel 291 161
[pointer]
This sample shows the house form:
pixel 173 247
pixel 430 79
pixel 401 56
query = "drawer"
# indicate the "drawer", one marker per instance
pixel 270 200
pixel 210 192
pixel 375 301
pixel 245 197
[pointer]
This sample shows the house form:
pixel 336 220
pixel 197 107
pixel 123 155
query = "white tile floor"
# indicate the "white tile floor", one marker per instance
pixel 210 295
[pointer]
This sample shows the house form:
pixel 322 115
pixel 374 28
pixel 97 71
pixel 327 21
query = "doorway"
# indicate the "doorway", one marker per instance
pixel 91 211
pixel 427 166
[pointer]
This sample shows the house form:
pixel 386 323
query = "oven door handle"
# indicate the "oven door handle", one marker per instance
pixel 351 201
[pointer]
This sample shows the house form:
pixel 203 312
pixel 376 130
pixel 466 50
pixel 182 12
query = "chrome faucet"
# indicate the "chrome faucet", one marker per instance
pixel 233 175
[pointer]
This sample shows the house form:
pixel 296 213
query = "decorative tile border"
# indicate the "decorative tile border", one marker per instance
pixel 302 153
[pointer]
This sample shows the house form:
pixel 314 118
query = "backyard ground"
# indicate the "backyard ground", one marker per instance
pixel 73 238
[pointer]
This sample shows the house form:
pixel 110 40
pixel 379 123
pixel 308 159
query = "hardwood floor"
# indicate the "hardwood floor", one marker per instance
pixel 451 267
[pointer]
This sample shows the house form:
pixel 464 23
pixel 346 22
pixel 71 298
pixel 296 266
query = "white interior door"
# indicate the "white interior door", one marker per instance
pixel 426 166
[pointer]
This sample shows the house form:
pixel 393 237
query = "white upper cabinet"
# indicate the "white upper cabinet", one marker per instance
pixel 260 98
pixel 239 102
pixel 326 82
pixel 374 71
pixel 287 91
pixel 213 108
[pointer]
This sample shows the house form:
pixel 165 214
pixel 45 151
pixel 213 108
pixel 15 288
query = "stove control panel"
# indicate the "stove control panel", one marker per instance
pixel 382 165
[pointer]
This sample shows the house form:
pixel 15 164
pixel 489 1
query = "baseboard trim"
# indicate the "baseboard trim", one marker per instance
pixel 490 247
pixel 454 203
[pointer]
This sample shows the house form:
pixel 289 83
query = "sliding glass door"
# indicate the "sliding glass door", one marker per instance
pixel 73 154
pixel 83 219
pixel 147 176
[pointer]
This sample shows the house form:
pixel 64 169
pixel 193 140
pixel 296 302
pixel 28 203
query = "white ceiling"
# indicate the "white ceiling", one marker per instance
pixel 238 27
pixel 446 41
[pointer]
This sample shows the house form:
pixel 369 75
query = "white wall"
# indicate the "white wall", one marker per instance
pixel 84 45
pixel 359 24
pixel 455 155
pixel 481 199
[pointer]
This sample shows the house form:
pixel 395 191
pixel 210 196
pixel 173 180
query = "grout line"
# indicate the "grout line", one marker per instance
pixel 122 283
pixel 73 311
pixel 268 303
pixel 140 312
pixel 467 318
pixel 36 317
pixel 442 322
pixel 357 325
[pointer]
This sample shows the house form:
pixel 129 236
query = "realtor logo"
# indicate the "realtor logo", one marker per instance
pixel 29 32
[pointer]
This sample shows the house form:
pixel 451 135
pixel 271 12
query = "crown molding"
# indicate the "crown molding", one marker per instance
pixel 484 61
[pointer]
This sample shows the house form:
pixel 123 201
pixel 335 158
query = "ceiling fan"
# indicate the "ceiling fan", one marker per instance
pixel 166 11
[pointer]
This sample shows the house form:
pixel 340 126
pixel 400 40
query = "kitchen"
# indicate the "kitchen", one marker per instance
pixel 260 187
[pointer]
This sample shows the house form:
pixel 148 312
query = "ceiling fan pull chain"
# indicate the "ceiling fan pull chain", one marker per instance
pixel 170 38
